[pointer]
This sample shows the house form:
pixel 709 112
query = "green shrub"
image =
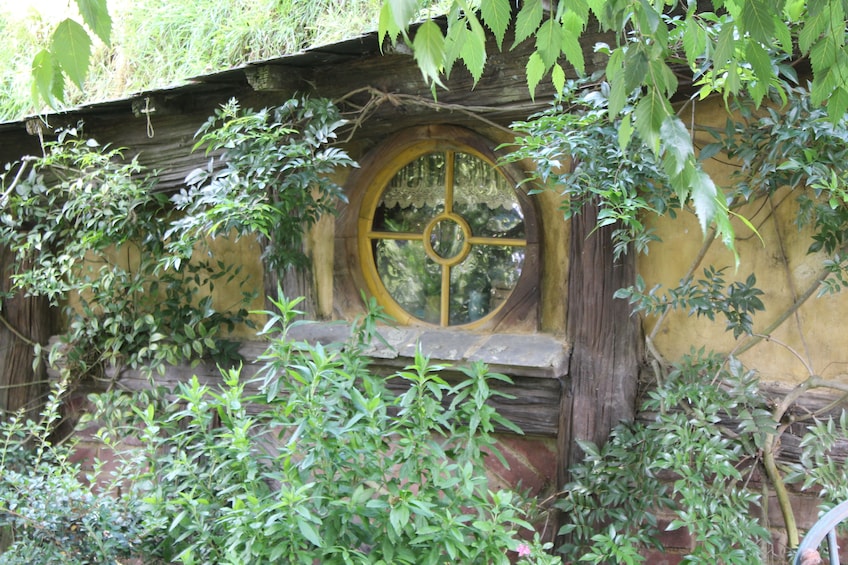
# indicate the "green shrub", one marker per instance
pixel 684 464
pixel 49 513
pixel 322 464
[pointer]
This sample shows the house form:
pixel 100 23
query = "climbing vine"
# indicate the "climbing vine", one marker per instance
pixel 713 427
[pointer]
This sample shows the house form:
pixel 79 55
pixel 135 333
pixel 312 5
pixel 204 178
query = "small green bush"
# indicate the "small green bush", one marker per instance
pixel 684 464
pixel 321 463
pixel 50 515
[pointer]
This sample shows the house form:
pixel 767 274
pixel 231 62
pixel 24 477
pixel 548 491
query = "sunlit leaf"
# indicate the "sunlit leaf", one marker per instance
pixel 474 50
pixel 677 142
pixel 43 73
pixel 403 11
pixel 71 47
pixel 535 71
pixel 549 42
pixel 558 78
pixel 528 20
pixel 496 15
pixel 429 48
pixel 387 25
pixel 704 193
pixel 95 14
pixel 573 50
pixel 724 229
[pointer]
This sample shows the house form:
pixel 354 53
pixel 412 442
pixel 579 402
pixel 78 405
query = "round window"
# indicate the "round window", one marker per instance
pixel 443 236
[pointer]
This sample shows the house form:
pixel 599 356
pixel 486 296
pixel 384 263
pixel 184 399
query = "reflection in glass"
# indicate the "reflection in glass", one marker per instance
pixel 404 220
pixel 411 278
pixel 447 239
pixel 413 197
pixel 484 198
pixel 492 222
pixel 482 282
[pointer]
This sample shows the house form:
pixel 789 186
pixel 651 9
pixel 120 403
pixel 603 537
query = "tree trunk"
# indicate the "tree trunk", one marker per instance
pixel 605 338
pixel 25 320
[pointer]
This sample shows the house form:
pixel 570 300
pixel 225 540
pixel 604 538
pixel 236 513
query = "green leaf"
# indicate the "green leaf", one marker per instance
pixel 635 68
pixel 704 196
pixel 71 47
pixel 725 45
pixel 814 25
pixel 558 78
pixel 535 71
pixel 615 65
pixel 724 229
pixel 823 86
pixel 625 132
pixel 386 25
pixel 837 104
pixel 661 75
pixel 402 12
pixel 549 42
pixel 44 71
pixel 573 50
pixel 309 532
pixel 783 36
pixel 496 15
pixel 474 50
pixel 694 40
pixel 758 18
pixel 761 65
pixel 648 17
pixel 617 96
pixel 528 20
pixel 95 14
pixel 677 142
pixel 455 40
pixel 650 113
pixel 824 53
pixel 429 48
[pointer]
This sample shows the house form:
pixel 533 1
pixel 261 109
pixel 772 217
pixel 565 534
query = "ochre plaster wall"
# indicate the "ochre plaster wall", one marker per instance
pixel 784 271
pixel 243 252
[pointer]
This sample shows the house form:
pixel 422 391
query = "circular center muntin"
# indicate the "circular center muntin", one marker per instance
pixel 447 239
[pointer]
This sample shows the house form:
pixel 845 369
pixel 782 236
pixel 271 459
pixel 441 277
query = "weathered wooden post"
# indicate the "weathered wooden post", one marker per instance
pixel 606 341
pixel 24 321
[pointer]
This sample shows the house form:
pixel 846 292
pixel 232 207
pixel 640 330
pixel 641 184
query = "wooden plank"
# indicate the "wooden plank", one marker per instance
pixel 535 363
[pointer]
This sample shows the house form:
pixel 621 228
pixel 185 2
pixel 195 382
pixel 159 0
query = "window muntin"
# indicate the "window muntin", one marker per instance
pixel 444 238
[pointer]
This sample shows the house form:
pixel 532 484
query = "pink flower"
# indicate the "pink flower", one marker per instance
pixel 523 550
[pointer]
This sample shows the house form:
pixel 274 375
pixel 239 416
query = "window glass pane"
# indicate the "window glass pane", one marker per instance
pixel 413 197
pixel 447 239
pixel 411 278
pixel 483 281
pixel 485 199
